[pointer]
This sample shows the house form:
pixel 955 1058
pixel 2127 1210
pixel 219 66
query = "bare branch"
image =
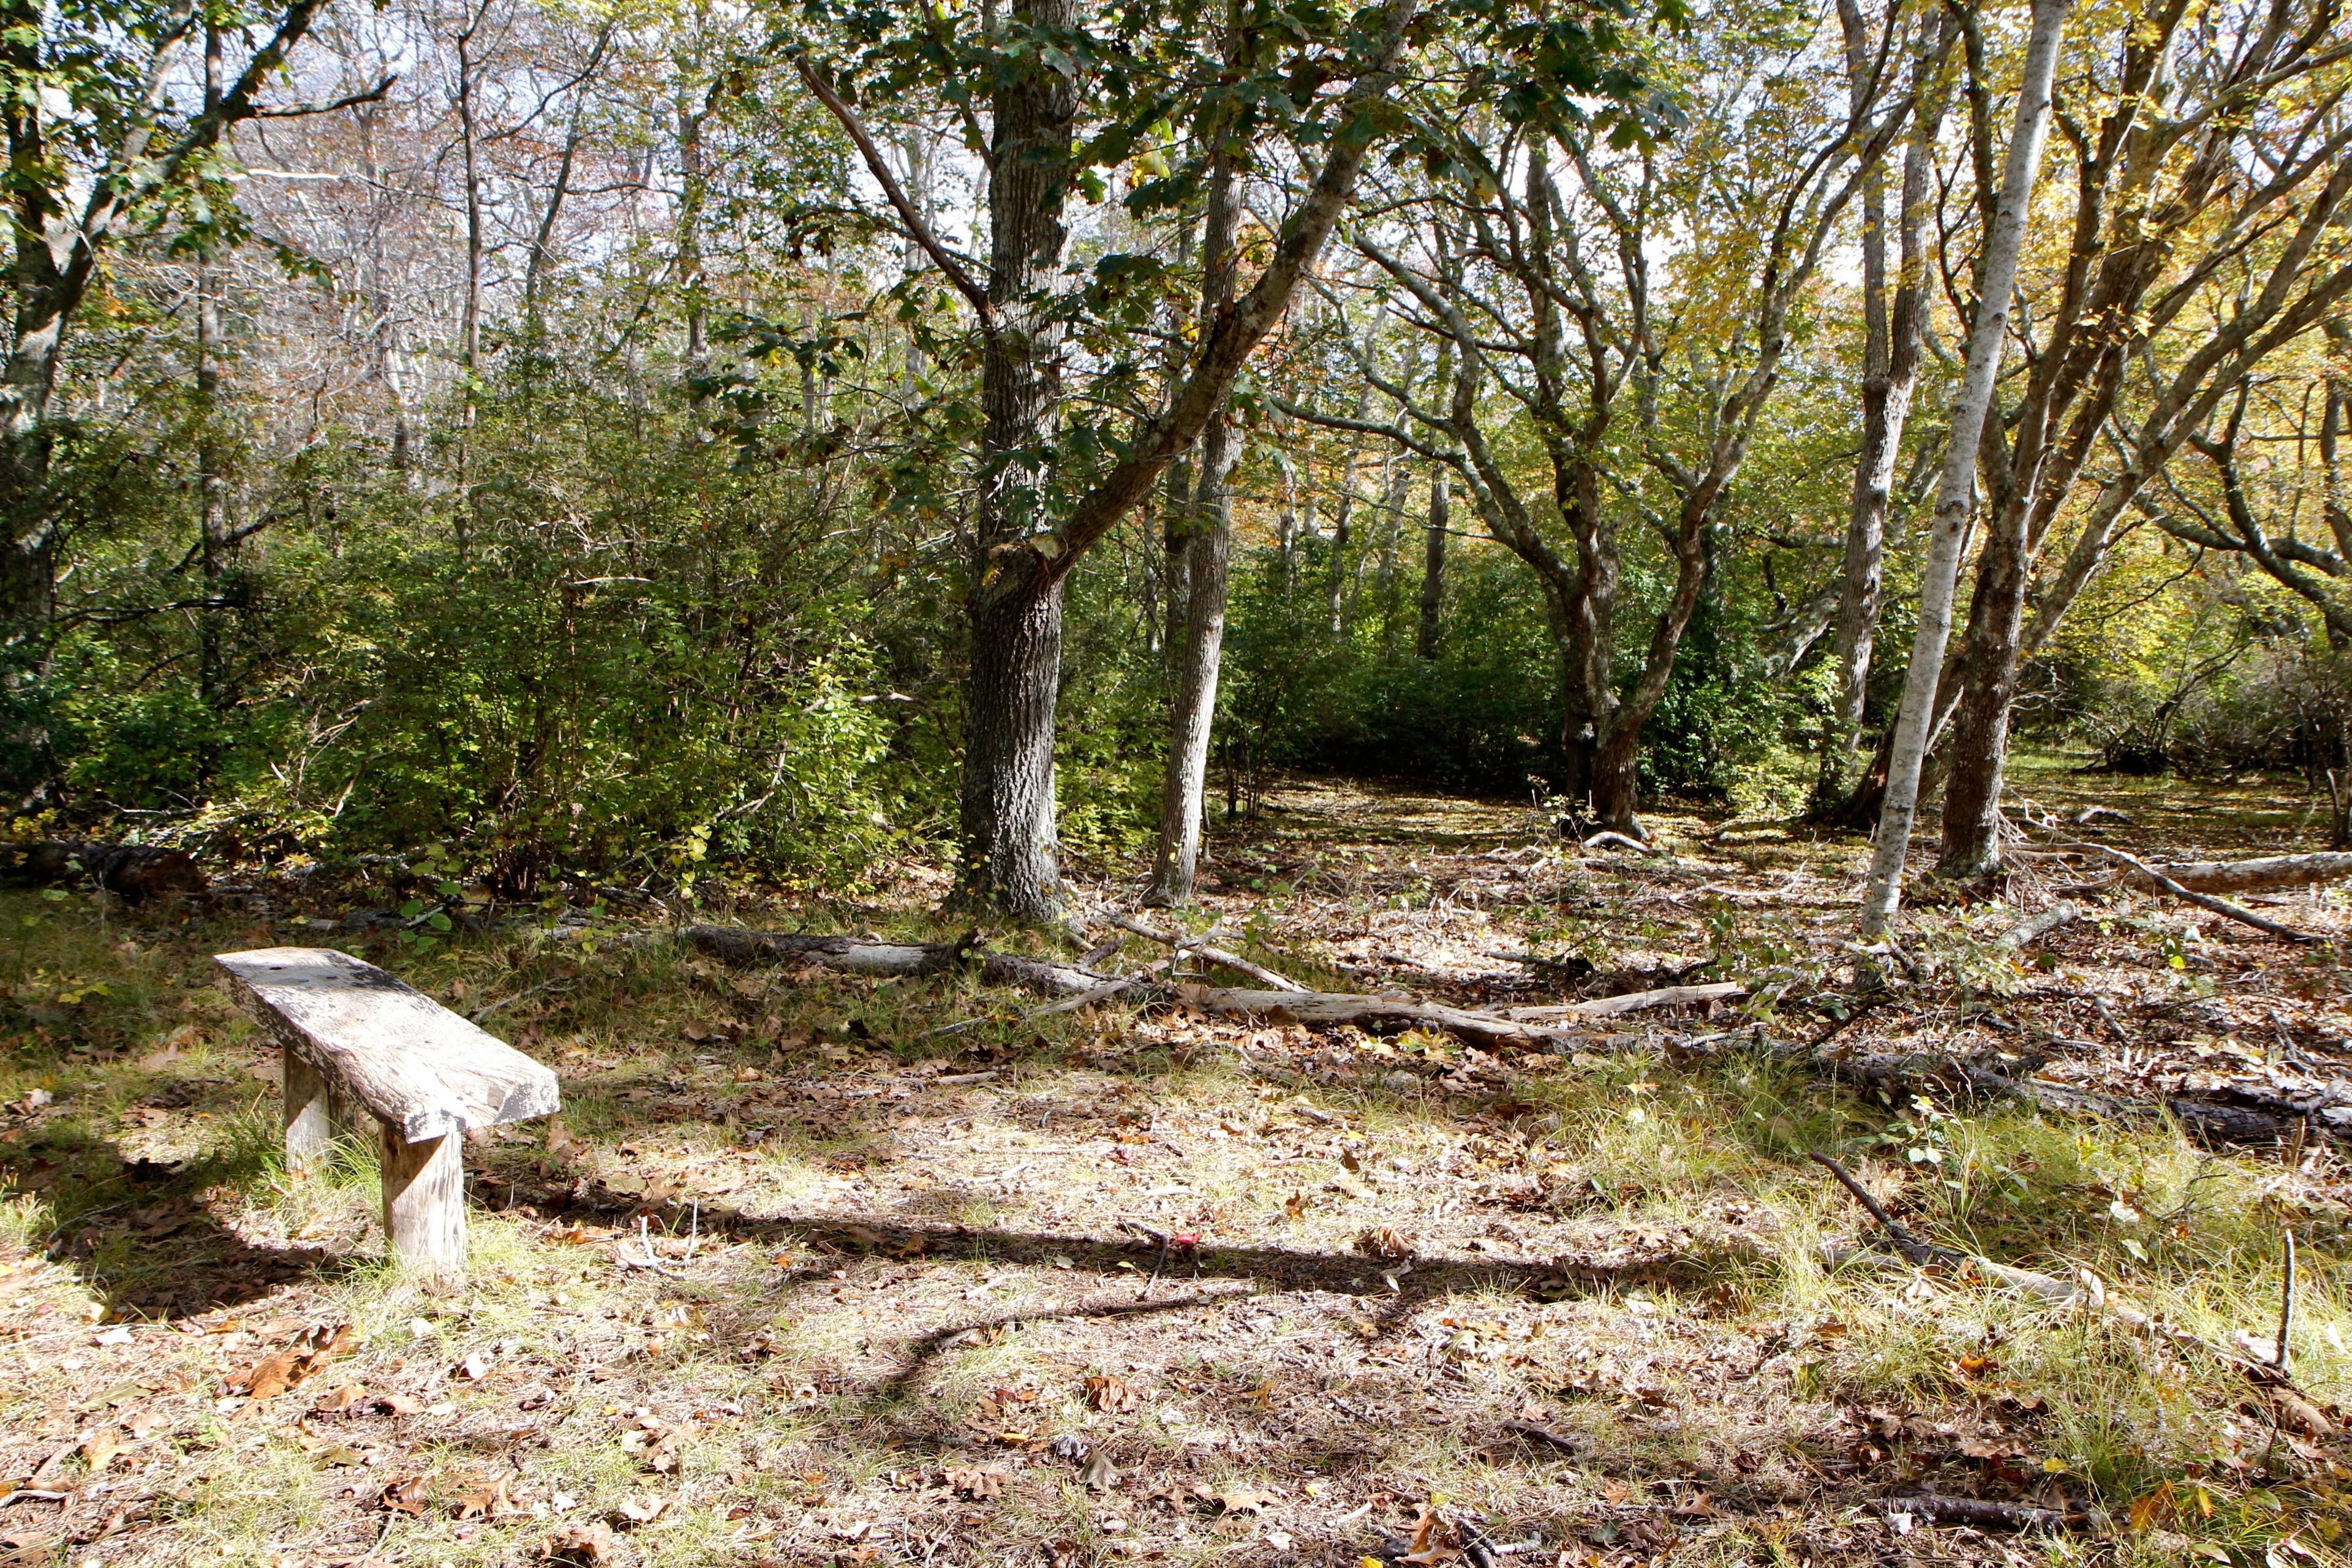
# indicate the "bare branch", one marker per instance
pixel 876 165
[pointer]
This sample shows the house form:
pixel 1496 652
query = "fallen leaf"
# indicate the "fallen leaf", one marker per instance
pixel 404 1494
pixel 582 1545
pixel 1241 1500
pixel 978 1481
pixel 1099 1473
pixel 267 1379
pixel 100 1447
pixel 1108 1395
pixel 1296 1205
pixel 475 1367
pixel 639 1511
pixel 341 1397
pixel 488 1502
pixel 1385 1241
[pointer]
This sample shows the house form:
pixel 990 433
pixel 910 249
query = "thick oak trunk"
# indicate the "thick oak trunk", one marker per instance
pixel 1008 860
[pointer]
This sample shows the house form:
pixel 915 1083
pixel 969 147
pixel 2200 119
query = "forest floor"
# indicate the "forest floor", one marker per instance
pixel 816 1270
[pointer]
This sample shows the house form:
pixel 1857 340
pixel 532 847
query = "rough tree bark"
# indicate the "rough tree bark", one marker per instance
pixel 1432 568
pixel 1956 490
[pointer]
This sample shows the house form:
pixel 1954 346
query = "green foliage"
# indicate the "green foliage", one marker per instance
pixel 608 643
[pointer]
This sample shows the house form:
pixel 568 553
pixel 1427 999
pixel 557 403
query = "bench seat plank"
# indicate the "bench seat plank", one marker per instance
pixel 414 1065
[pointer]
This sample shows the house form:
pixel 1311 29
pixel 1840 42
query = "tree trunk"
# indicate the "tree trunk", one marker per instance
pixel 1956 490
pixel 1007 861
pixel 212 519
pixel 693 189
pixel 27 531
pixel 470 318
pixel 1890 374
pixel 1981 735
pixel 1342 537
pixel 2337 502
pixel 1208 535
pixel 1433 569
pixel 1616 774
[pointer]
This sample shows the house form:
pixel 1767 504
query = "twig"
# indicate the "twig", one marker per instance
pixel 1543 1435
pixel 1103 993
pixel 2286 1302
pixel 1203 946
pixel 1908 1244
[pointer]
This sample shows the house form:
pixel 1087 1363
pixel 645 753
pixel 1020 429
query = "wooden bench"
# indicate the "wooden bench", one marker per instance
pixel 358 1041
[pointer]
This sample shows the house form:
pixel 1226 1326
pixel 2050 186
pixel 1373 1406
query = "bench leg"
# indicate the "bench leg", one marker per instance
pixel 424 1201
pixel 310 1132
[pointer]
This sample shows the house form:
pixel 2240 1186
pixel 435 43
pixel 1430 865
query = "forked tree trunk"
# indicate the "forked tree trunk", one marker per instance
pixel 1979 746
pixel 1007 862
pixel 1956 490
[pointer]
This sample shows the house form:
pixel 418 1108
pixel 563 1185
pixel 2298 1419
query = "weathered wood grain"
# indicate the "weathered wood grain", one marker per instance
pixel 407 1060
pixel 424 1201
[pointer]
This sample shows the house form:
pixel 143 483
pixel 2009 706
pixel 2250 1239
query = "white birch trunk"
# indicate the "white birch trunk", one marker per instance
pixel 1955 490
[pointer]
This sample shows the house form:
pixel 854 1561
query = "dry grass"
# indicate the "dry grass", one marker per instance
pixel 901 1291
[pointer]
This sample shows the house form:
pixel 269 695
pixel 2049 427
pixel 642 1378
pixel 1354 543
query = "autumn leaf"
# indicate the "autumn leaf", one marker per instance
pixel 582 1546
pixel 488 1502
pixel 404 1494
pixel 1108 1395
pixel 978 1482
pixel 266 1379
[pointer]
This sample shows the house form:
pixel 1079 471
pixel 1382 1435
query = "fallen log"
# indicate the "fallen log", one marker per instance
pixel 851 955
pixel 2206 900
pixel 2243 1117
pixel 2031 932
pixel 860 955
pixel 1523 1030
pixel 1329 1009
pixel 1664 996
pixel 1042 975
pixel 2263 875
pixel 132 872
